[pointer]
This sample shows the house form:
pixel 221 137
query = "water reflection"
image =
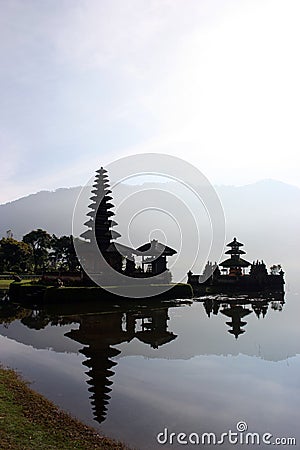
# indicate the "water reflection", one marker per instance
pixel 103 334
pixel 238 309
pixel 99 333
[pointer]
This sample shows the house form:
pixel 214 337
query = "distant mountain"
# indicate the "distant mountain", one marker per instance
pixel 49 210
pixel 264 215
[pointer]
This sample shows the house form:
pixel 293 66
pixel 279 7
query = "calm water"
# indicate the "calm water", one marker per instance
pixel 132 372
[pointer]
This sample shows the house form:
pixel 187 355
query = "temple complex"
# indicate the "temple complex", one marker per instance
pixel 237 275
pixel 100 231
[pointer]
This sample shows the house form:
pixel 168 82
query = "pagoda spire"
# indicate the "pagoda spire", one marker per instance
pixel 100 221
pixel 235 248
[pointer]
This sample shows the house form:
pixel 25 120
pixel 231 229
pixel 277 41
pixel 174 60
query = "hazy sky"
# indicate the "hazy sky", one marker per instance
pixel 86 81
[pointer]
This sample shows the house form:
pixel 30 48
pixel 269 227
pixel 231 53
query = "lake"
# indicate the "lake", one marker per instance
pixel 139 373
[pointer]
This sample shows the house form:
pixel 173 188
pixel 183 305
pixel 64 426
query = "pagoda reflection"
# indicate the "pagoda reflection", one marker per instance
pixel 236 314
pixel 237 309
pixel 101 333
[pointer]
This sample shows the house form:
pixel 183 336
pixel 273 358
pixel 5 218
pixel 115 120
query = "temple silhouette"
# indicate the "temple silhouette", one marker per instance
pixel 101 231
pixel 235 276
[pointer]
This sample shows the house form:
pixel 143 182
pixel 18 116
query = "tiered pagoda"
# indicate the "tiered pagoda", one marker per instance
pixel 100 234
pixel 235 263
pixel 100 224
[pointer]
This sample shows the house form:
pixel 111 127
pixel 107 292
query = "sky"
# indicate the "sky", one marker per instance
pixel 84 82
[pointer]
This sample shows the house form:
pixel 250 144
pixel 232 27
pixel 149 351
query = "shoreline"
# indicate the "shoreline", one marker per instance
pixel 30 421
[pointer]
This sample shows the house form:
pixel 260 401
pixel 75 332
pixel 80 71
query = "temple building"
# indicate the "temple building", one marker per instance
pixel 154 256
pixel 235 277
pixel 100 224
pixel 100 231
pixel 234 265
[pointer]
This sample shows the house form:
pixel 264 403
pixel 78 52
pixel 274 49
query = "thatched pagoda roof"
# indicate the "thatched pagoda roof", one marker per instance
pixel 155 248
pixel 235 262
pixel 234 243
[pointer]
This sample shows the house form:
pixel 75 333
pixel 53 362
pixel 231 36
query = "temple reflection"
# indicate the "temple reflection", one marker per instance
pixel 238 308
pixel 236 313
pixel 260 309
pixel 100 333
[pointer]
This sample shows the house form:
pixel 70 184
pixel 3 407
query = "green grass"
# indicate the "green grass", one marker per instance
pixel 29 421
pixel 4 284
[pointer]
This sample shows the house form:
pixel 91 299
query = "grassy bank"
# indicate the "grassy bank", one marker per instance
pixel 4 284
pixel 29 421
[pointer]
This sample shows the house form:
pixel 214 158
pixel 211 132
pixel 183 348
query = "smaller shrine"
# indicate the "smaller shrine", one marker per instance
pixel 235 265
pixel 154 257
pixel 237 275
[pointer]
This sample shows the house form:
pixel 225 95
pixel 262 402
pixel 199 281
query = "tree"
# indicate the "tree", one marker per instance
pixel 275 269
pixel 40 243
pixel 14 255
pixel 72 261
pixel 63 253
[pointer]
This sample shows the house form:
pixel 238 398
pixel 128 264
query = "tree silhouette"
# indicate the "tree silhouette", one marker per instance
pixel 63 255
pixel 14 255
pixel 40 243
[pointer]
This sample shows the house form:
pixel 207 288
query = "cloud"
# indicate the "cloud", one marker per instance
pixel 233 93
pixel 213 81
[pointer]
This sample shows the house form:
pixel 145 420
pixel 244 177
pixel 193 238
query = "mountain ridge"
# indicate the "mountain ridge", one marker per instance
pixel 265 216
pixel 259 183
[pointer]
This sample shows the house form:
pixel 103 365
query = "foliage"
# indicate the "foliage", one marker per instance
pixel 63 255
pixel 38 251
pixel 14 255
pixel 40 242
pixel 275 269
